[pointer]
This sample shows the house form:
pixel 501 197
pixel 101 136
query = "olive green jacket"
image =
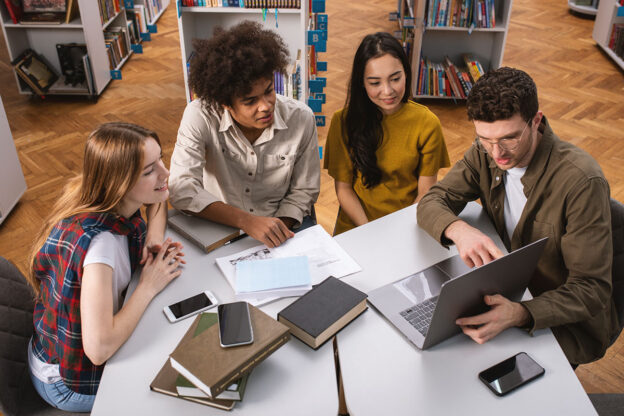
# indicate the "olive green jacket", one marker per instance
pixel 568 202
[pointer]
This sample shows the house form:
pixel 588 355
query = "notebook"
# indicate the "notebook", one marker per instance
pixel 204 233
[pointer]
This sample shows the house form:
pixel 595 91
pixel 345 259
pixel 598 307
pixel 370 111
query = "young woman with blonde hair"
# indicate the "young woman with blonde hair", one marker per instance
pixel 82 261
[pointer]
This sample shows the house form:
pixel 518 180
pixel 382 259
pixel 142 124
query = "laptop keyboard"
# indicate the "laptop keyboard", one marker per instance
pixel 419 316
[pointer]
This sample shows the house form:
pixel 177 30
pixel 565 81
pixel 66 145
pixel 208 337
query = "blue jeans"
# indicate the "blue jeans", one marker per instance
pixel 60 396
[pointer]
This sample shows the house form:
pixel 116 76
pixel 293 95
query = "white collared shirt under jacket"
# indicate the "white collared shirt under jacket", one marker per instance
pixel 277 176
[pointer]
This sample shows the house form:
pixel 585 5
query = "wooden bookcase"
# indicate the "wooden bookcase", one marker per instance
pixel 85 28
pixel 487 45
pixel 200 23
pixel 609 13
pixel 12 180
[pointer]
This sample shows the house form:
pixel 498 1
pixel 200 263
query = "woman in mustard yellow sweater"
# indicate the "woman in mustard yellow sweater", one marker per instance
pixel 383 150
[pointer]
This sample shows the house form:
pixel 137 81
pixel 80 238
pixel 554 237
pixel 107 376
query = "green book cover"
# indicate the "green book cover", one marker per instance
pixel 185 388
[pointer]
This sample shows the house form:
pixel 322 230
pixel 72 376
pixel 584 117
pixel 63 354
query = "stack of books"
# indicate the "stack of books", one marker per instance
pixel 446 79
pixel 461 13
pixel 616 42
pixel 250 4
pixel 201 371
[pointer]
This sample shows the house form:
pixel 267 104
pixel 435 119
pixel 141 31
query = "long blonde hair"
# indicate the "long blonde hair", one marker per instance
pixel 113 162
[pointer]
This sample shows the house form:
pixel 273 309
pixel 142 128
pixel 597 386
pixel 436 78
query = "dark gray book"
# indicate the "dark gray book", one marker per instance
pixel 323 311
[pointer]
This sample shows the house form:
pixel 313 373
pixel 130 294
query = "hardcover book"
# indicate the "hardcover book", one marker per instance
pixel 213 368
pixel 206 234
pixel 319 314
pixel 35 71
pixel 15 9
pixel 166 381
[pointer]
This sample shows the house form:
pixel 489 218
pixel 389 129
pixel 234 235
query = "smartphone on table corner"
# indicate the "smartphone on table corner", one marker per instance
pixel 234 324
pixel 190 306
pixel 511 373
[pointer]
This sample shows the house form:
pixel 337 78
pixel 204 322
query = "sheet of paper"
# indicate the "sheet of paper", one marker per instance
pixel 325 258
pixel 275 273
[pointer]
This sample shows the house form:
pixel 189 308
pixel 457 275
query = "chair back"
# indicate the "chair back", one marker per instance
pixel 16 328
pixel 617 228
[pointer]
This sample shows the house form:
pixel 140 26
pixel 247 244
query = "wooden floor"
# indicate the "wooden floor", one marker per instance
pixel 581 91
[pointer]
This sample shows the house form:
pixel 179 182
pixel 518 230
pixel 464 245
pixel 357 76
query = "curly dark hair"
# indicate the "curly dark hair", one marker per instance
pixel 501 93
pixel 231 61
pixel 361 117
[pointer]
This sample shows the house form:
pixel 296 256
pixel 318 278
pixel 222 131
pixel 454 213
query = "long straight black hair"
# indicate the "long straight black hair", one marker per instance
pixel 362 118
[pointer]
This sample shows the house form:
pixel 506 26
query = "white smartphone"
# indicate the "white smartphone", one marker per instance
pixel 234 324
pixel 190 306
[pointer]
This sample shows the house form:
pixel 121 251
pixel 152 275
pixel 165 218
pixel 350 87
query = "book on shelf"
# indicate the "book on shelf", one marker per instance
pixel 166 381
pixel 446 79
pixel 213 368
pixel 319 314
pixel 109 9
pixel 461 13
pixel 35 71
pixel 616 42
pixel 250 4
pixel 138 15
pixel 117 42
pixel 14 7
pixel 203 233
pixel 44 11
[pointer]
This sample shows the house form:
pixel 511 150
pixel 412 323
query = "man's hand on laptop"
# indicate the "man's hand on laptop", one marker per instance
pixel 502 315
pixel 475 248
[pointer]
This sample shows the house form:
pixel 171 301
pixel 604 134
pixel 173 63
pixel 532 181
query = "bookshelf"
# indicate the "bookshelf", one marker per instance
pixel 586 7
pixel 12 180
pixel 200 22
pixel 486 44
pixel 610 13
pixel 88 28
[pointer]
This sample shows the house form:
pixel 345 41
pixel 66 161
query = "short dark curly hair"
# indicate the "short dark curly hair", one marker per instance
pixel 501 93
pixel 231 61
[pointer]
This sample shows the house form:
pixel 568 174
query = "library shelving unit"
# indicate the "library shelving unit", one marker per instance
pixel 609 14
pixel 85 28
pixel 487 45
pixel 200 23
pixel 12 180
pixel 586 9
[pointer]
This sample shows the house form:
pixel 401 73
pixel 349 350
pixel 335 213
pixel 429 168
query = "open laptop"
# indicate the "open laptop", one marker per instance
pixel 425 305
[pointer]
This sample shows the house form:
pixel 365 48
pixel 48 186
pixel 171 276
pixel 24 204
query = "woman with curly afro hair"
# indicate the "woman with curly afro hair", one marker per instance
pixel 245 156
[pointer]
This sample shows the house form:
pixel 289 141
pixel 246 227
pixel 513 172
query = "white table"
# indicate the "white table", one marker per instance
pixel 293 380
pixel 385 374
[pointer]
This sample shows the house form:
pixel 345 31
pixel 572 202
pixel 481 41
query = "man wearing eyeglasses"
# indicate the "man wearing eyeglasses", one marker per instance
pixel 532 185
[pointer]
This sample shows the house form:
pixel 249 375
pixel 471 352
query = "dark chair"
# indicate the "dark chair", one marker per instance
pixel 617 227
pixel 613 404
pixel 608 404
pixel 17 395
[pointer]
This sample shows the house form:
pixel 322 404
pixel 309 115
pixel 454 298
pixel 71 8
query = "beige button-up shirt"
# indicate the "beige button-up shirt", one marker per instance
pixel 277 176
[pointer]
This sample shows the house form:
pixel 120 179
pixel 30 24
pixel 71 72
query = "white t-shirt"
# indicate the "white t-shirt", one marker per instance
pixel 106 248
pixel 514 198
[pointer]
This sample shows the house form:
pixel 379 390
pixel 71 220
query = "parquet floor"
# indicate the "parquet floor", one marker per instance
pixel 581 91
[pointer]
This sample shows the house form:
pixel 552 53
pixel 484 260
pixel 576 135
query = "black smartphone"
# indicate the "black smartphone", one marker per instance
pixel 234 324
pixel 511 373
